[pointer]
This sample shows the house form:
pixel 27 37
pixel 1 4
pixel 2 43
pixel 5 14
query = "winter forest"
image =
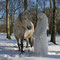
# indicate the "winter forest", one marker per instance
pixel 29 29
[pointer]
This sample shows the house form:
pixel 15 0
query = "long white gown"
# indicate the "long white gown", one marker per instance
pixel 40 35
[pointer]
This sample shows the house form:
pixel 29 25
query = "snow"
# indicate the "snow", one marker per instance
pixel 9 50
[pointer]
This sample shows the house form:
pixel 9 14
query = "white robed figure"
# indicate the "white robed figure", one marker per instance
pixel 40 35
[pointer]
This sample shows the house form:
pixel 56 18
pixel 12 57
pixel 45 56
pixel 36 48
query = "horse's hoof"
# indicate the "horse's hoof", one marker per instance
pixel 19 50
pixel 22 52
pixel 26 46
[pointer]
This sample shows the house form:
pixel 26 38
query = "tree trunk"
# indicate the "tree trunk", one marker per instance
pixel 25 5
pixel 53 33
pixel 7 19
pixel 50 17
pixel 44 6
pixel 36 11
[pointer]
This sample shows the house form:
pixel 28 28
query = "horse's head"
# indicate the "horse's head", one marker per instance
pixel 25 19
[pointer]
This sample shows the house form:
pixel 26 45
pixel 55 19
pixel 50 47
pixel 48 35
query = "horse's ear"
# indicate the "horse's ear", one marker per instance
pixel 26 12
pixel 20 17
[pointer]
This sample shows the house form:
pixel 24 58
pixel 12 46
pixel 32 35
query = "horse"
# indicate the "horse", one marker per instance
pixel 23 29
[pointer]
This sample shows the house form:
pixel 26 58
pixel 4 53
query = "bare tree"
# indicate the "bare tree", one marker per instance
pixel 44 5
pixel 53 32
pixel 36 10
pixel 7 19
pixel 25 4
pixel 50 16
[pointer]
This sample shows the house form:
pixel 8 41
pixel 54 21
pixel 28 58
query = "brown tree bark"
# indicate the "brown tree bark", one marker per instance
pixel 50 17
pixel 53 32
pixel 25 5
pixel 7 19
pixel 36 11
pixel 44 6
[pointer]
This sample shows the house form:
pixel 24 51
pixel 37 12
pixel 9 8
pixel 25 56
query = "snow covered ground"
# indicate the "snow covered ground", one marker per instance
pixel 9 50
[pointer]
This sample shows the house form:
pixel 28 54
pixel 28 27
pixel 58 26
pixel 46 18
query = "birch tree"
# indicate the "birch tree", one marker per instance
pixel 7 19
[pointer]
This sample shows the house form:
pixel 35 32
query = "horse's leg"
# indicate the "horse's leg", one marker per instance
pixel 31 42
pixel 18 42
pixel 22 44
pixel 27 44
